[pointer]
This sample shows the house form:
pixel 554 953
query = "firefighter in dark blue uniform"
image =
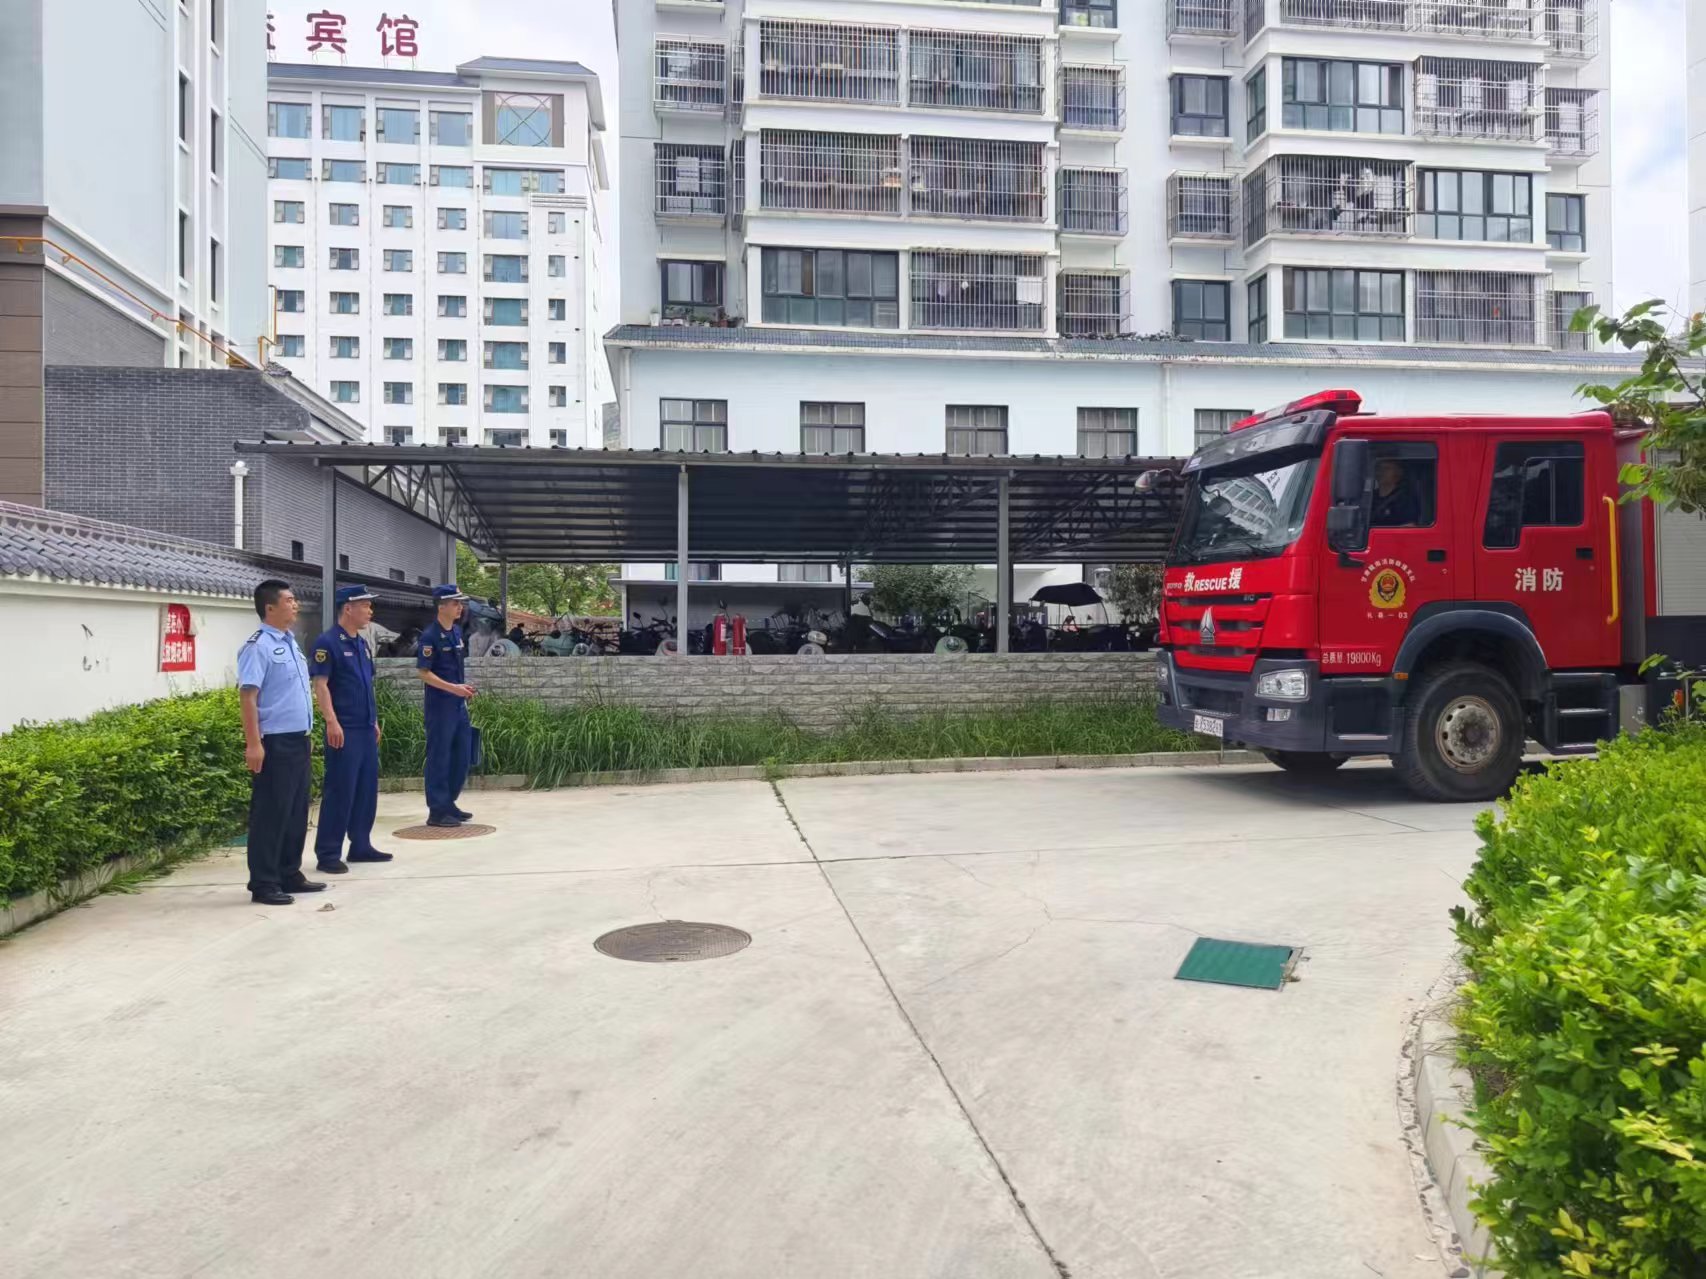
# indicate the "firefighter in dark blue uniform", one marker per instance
pixel 342 670
pixel 439 662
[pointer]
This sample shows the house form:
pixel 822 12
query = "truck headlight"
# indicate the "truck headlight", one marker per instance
pixel 1292 685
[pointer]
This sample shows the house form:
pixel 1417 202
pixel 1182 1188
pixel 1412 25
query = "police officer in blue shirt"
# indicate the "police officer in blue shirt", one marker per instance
pixel 278 712
pixel 342 672
pixel 439 662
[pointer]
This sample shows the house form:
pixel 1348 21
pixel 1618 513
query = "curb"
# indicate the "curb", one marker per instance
pixel 1443 1093
pixel 25 911
pixel 854 768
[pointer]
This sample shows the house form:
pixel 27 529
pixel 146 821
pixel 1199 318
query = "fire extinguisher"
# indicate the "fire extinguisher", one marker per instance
pixel 739 644
pixel 720 635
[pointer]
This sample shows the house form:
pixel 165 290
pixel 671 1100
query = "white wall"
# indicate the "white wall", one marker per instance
pixel 1696 19
pixel 94 647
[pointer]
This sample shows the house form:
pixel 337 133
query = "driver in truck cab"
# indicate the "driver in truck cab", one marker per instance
pixel 1395 504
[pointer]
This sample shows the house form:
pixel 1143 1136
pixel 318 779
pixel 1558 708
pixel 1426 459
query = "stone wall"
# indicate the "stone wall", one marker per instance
pixel 814 692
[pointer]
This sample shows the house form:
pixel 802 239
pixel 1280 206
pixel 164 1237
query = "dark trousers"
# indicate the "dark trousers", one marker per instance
pixel 349 796
pixel 278 812
pixel 450 736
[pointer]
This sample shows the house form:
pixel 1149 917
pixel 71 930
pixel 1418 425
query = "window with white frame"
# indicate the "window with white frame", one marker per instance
pixel 506 399
pixel 556 223
pixel 453 434
pixel 832 427
pixel 398 124
pixel 289 255
pixel 502 225
pixel 453 219
pixel 803 573
pixel 346 392
pixel 1107 432
pixel 453 350
pixel 451 176
pixel 556 266
pixel 559 438
pixel 399 393
pixel 288 211
pixel 977 430
pixel 397 174
pixel 345 348
pixel 399 217
pixel 346 303
pixel 1211 424
pixel 505 268
pixel 399 304
pixel 287 120
pixel 556 309
pixel 557 397
pixel 453 393
pixel 399 259
pixel 522 119
pixel 291 300
pixel 344 259
pixel 557 352
pixel 399 348
pixel 343 124
pixel 291 168
pixel 694 426
pixel 343 214
pixel 292 346
pixel 453 264
pixel 452 306
pixel 343 171
pixel 452 128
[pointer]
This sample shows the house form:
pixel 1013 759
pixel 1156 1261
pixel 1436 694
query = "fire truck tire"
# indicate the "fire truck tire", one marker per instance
pixel 1306 763
pixel 1463 734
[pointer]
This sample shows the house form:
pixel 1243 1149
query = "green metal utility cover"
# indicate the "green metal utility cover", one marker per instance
pixel 1237 963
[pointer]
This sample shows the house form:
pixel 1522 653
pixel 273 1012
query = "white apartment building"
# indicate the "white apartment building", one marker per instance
pixel 437 247
pixel 1097 226
pixel 132 198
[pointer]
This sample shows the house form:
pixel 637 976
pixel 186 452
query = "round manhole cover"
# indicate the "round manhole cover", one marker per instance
pixel 674 941
pixel 468 830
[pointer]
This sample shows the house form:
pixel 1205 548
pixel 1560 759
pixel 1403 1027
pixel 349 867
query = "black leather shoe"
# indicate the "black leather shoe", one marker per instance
pixel 333 868
pixel 440 819
pixel 461 814
pixel 371 855
pixel 271 897
pixel 305 886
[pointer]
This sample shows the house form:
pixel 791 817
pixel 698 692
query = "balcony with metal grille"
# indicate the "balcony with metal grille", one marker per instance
pixel 829 62
pixel 1093 304
pixel 1336 197
pixel 975 72
pixel 1494 20
pixel 691 183
pixel 806 172
pixel 1473 98
pixel 996 292
pixel 1211 19
pixel 1480 308
pixel 689 75
pixel 737 182
pixel 1202 206
pixel 1572 29
pixel 1091 201
pixel 1092 97
pixel 977 179
pixel 1572 123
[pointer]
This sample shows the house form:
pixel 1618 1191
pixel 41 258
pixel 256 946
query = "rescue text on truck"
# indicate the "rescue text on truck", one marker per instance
pixel 1438 589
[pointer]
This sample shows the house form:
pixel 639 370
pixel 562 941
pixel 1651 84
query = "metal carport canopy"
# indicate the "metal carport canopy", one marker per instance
pixel 527 505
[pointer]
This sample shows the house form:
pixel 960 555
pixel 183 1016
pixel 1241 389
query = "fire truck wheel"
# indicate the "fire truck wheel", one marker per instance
pixel 1305 763
pixel 1462 736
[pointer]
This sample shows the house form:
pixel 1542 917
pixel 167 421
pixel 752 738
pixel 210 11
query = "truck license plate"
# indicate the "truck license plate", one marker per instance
pixel 1213 725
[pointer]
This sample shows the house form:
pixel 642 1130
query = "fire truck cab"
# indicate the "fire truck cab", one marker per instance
pixel 1437 589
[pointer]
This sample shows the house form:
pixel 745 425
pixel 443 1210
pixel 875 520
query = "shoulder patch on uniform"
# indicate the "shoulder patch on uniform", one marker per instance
pixel 426 650
pixel 320 655
pixel 253 638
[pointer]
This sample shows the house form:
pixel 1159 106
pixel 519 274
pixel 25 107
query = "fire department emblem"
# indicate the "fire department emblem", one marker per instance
pixel 1387 589
pixel 1206 631
pixel 320 655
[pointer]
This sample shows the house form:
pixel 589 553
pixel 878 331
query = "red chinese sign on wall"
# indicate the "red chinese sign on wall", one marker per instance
pixel 177 641
pixel 398 37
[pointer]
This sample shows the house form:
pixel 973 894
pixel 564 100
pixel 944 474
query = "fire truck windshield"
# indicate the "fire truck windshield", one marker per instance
pixel 1244 512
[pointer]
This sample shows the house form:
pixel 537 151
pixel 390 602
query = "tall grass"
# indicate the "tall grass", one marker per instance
pixel 549 744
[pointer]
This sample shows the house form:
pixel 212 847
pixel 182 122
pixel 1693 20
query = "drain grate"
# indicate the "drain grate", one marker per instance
pixel 674 941
pixel 1237 963
pixel 467 830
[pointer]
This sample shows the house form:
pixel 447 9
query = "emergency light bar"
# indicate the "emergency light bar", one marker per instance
pixel 1344 403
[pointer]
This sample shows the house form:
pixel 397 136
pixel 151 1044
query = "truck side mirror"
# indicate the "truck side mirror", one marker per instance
pixel 1348 516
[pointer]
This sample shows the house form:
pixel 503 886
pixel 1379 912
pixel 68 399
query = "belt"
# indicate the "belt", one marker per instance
pixel 293 733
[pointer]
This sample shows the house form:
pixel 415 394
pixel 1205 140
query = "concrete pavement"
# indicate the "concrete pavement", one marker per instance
pixel 954 1048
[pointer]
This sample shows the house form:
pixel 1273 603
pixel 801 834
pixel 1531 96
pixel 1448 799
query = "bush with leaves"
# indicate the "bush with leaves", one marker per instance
pixel 1667 398
pixel 133 780
pixel 1584 1021
pixel 924 590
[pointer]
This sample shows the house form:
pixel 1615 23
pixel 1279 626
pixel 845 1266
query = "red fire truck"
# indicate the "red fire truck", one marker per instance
pixel 1436 589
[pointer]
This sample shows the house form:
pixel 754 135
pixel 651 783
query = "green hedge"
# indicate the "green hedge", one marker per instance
pixel 134 780
pixel 1584 1022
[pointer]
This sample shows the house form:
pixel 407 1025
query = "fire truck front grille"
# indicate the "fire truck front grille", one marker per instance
pixel 1206 697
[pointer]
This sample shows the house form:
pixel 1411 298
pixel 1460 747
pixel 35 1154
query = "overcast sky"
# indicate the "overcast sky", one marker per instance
pixel 1646 107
